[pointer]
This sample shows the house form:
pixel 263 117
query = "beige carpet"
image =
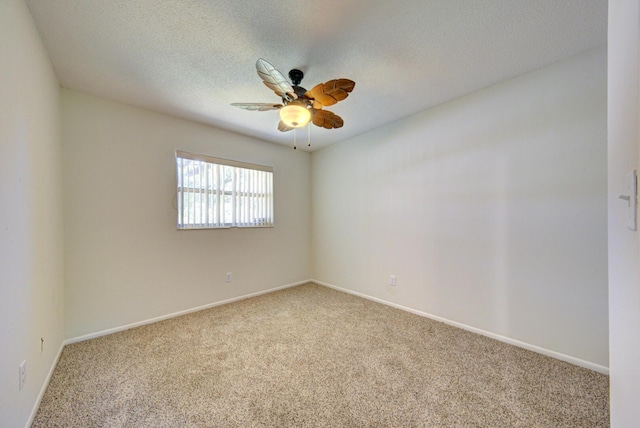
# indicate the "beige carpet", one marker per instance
pixel 314 357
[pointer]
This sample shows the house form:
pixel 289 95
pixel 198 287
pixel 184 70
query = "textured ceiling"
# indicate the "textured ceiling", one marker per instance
pixel 193 58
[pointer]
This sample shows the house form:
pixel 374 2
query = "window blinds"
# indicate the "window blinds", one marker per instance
pixel 222 193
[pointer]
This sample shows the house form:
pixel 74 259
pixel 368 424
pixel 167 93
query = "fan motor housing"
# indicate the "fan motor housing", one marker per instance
pixel 300 91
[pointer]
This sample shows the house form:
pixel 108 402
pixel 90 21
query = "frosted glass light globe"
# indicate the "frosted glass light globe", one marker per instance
pixel 295 115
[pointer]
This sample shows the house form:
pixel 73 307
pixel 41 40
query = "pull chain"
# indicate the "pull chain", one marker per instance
pixel 294 139
pixel 309 134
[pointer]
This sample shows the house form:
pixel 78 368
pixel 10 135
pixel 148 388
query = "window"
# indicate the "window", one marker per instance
pixel 221 193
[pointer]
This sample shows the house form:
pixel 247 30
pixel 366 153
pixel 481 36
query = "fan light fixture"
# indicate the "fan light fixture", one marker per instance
pixel 295 115
pixel 298 104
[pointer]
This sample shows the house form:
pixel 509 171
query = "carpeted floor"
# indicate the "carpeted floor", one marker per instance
pixel 310 356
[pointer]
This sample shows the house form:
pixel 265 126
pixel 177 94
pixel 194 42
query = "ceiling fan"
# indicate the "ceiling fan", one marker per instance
pixel 300 106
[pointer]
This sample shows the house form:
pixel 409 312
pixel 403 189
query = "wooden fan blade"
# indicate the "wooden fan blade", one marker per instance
pixel 331 92
pixel 326 119
pixel 258 106
pixel 275 80
pixel 283 127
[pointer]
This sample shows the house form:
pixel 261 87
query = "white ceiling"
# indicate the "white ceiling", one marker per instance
pixel 193 58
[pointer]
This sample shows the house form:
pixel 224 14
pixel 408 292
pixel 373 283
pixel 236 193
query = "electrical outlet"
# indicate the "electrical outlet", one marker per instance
pixel 392 280
pixel 22 371
pixel 228 277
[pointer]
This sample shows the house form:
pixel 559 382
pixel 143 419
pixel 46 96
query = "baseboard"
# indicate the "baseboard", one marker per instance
pixel 36 405
pixel 180 313
pixel 553 354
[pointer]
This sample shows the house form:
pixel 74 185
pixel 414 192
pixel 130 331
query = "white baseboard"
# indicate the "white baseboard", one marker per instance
pixel 36 405
pixel 553 354
pixel 177 314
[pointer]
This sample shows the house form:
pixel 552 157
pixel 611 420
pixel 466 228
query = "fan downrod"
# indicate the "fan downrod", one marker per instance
pixel 296 76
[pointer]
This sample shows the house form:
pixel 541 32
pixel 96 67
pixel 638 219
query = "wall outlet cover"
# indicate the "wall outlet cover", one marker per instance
pixel 22 372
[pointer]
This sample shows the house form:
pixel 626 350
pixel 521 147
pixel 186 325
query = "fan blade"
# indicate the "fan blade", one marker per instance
pixel 258 106
pixel 275 80
pixel 283 127
pixel 326 119
pixel 331 92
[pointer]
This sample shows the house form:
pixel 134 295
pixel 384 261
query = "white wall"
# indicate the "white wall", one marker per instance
pixel 624 261
pixel 491 210
pixel 125 261
pixel 31 236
